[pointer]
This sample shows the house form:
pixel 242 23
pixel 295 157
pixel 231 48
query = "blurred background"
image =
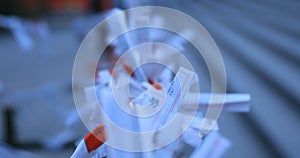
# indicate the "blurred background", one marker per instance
pixel 259 42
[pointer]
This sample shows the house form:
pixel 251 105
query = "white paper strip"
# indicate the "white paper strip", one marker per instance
pixel 233 102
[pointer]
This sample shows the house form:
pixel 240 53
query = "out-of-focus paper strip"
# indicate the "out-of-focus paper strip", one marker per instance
pixel 233 102
pixel 81 151
pixel 213 146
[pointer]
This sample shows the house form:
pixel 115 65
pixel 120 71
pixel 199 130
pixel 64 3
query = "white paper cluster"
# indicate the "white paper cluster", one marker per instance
pixel 120 94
